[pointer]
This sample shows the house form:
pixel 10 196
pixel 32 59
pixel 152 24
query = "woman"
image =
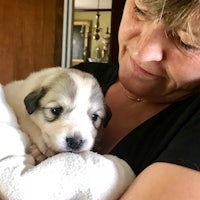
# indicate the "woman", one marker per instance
pixel 155 98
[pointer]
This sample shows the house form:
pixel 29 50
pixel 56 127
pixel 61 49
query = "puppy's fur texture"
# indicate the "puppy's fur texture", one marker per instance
pixel 60 110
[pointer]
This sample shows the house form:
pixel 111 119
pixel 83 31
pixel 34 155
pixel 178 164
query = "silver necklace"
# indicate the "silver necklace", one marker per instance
pixel 136 99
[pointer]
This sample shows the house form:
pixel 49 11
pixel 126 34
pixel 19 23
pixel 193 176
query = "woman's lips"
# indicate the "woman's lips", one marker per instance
pixel 141 72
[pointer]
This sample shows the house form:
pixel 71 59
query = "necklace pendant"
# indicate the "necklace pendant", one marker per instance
pixel 136 99
pixel 139 99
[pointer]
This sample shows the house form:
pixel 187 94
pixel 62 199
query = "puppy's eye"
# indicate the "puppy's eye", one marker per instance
pixel 95 117
pixel 56 111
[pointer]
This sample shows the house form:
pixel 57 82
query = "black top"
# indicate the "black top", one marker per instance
pixel 172 136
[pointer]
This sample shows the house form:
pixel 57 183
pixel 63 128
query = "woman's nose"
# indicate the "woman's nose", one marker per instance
pixel 150 45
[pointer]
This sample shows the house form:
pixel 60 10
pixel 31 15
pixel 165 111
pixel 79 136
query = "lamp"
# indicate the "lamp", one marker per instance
pixel 96 34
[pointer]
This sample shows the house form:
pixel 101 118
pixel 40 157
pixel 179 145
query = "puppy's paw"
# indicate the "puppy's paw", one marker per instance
pixel 48 152
pixel 38 155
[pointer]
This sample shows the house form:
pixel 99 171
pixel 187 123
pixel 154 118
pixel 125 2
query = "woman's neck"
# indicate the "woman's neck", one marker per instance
pixel 127 114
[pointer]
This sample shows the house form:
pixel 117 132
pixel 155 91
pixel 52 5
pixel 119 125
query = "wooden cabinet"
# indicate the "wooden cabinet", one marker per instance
pixel 30 37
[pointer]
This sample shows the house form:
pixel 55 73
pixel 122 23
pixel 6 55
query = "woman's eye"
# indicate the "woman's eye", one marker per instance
pixel 56 111
pixel 140 13
pixel 188 47
pixel 176 39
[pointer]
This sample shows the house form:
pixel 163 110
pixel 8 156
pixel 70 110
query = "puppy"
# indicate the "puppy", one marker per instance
pixel 60 109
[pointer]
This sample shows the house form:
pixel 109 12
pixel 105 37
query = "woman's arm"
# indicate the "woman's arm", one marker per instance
pixel 164 181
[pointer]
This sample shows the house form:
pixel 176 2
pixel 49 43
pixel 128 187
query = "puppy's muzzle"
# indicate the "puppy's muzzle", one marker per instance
pixel 74 143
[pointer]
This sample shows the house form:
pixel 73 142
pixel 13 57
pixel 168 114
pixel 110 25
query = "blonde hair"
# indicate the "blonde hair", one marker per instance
pixel 178 15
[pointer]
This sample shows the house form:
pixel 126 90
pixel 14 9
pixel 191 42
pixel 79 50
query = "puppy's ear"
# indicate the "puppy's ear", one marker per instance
pixel 31 101
pixel 108 116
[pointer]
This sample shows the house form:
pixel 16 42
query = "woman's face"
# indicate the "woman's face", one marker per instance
pixel 152 65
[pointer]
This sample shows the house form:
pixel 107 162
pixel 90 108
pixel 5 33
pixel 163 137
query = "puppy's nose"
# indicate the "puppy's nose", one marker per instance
pixel 74 143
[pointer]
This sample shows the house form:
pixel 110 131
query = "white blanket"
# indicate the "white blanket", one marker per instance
pixel 84 176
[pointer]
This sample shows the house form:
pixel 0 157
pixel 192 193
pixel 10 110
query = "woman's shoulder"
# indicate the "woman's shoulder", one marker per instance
pixel 98 69
pixel 105 73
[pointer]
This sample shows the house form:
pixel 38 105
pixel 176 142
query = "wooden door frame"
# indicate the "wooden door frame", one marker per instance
pixel 117 11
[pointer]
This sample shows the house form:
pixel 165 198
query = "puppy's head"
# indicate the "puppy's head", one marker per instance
pixel 69 109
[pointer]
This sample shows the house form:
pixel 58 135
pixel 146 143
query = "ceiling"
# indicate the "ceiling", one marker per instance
pixel 93 4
